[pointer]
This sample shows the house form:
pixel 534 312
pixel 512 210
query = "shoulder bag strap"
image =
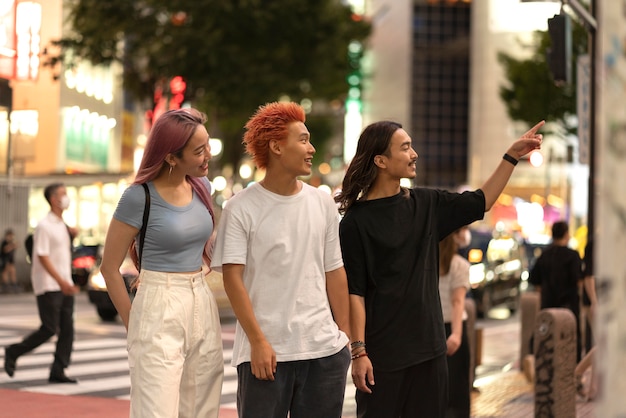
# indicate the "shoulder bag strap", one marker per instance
pixel 144 226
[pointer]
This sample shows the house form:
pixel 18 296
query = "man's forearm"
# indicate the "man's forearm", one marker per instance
pixel 589 283
pixel 50 269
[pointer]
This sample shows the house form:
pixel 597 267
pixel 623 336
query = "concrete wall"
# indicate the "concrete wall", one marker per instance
pixel 497 26
pixel 610 233
pixel 387 80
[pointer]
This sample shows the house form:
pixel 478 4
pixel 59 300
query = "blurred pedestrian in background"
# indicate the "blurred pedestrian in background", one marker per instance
pixel 278 247
pixel 589 298
pixel 174 332
pixel 51 276
pixel 557 275
pixel 453 286
pixel 587 384
pixel 390 238
pixel 7 262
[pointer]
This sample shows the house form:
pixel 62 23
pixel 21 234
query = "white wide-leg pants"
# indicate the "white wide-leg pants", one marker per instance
pixel 174 348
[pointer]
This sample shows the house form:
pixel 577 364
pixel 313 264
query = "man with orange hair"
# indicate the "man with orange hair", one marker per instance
pixel 278 248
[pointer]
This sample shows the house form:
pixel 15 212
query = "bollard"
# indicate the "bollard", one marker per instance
pixel 529 308
pixel 470 325
pixel 555 361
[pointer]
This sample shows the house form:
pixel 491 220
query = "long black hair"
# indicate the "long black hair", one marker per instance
pixel 362 171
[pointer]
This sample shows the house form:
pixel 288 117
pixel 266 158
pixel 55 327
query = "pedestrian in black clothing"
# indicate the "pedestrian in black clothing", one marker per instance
pixel 7 265
pixel 589 301
pixel 453 286
pixel 557 274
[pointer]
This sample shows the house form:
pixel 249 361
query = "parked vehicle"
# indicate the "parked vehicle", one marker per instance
pixel 534 247
pixel 84 261
pixel 497 270
pixel 99 295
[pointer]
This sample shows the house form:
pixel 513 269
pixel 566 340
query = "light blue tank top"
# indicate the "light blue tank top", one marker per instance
pixel 175 236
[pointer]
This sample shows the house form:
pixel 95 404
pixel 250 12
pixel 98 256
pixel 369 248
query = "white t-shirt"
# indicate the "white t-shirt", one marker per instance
pixel 287 244
pixel 458 276
pixel 52 239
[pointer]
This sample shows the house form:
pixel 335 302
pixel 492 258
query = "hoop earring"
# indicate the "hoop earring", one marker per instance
pixel 169 174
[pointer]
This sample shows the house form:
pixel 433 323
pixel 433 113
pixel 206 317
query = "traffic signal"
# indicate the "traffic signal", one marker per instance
pixel 560 52
pixel 355 75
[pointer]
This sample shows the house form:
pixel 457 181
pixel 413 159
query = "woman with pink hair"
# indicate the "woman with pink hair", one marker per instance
pixel 174 335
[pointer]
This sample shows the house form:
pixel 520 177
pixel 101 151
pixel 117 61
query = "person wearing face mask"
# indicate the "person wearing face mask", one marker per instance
pixel 453 286
pixel 51 277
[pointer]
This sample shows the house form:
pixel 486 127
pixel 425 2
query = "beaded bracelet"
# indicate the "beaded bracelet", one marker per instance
pixel 357 344
pixel 358 350
pixel 356 356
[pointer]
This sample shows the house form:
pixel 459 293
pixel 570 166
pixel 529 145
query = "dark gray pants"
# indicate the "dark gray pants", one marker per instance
pixel 304 389
pixel 56 312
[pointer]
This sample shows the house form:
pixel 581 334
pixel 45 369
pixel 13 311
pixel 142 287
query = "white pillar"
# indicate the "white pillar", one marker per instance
pixel 610 237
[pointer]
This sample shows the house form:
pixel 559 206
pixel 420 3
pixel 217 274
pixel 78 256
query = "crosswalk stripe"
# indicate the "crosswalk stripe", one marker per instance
pixel 49 346
pixel 42 358
pixel 78 370
pixel 83 386
pixel 101 366
pixel 90 358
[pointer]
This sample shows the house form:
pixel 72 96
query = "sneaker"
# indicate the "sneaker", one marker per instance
pixel 9 362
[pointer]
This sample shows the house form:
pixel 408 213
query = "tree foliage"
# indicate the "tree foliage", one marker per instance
pixel 234 55
pixel 531 93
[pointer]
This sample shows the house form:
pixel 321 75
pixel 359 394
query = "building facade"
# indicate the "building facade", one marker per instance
pixel 432 65
pixel 58 124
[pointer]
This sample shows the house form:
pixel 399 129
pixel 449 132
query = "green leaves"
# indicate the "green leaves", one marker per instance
pixel 234 55
pixel 531 94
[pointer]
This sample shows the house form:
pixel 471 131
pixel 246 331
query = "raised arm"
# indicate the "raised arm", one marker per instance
pixel 494 185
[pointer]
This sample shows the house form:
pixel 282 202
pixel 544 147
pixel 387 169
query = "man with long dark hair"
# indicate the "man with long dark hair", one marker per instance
pixel 389 239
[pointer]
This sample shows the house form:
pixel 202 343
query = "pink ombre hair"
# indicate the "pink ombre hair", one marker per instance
pixel 269 123
pixel 169 135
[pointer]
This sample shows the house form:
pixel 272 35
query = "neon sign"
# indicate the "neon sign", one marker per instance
pixel 28 35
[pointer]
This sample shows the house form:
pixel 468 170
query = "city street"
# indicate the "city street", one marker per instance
pixel 100 363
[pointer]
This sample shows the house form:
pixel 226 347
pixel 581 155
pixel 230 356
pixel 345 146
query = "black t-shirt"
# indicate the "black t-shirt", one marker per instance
pixel 8 256
pixel 558 271
pixel 390 248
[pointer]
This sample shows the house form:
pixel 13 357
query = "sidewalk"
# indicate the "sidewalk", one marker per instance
pixel 506 394
pixel 511 395
pixel 17 403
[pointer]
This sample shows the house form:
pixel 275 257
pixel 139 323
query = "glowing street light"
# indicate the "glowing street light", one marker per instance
pixel 536 159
